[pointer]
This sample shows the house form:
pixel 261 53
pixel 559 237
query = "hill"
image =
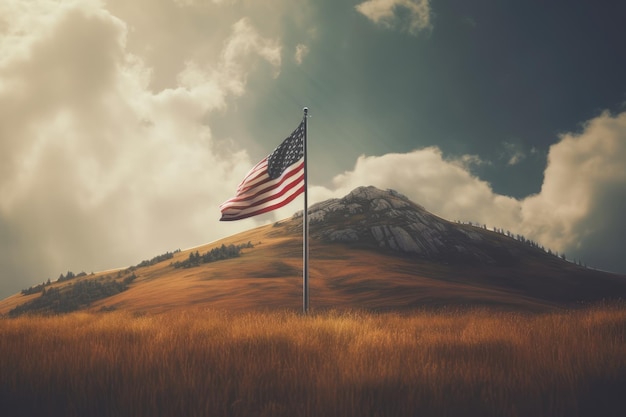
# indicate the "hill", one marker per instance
pixel 372 249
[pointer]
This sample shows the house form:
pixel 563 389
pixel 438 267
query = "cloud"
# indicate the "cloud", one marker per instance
pixel 187 3
pixel 513 152
pixel 582 200
pixel 412 16
pixel 445 187
pixel 246 40
pixel 470 161
pixel 301 52
pixel 97 170
pixel 579 209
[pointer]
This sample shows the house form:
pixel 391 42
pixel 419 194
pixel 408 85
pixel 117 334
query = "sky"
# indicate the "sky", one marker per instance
pixel 125 124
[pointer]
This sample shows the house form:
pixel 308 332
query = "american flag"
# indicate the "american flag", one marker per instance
pixel 272 183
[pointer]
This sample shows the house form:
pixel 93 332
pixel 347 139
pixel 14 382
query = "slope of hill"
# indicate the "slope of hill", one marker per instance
pixel 372 249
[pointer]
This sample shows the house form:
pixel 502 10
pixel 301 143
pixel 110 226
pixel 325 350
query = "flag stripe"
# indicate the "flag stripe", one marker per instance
pixel 284 189
pixel 289 187
pixel 253 175
pixel 260 210
pixel 263 208
pixel 265 185
pixel 272 183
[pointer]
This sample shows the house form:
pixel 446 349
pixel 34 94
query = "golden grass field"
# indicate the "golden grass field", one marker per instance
pixel 481 362
pixel 388 336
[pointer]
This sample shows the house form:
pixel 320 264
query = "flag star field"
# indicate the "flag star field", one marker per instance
pixel 287 153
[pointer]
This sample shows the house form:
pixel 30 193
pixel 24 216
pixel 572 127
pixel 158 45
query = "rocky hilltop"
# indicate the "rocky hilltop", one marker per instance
pixel 387 220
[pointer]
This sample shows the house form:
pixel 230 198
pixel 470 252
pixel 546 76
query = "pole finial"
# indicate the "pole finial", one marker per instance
pixel 306 110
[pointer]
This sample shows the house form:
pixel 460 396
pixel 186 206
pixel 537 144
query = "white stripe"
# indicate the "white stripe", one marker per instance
pixel 251 205
pixel 249 178
pixel 234 201
pixel 295 181
pixel 238 213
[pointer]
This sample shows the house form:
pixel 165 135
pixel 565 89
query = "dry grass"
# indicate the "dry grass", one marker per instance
pixel 209 363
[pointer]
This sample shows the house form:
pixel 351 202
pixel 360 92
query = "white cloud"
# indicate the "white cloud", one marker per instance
pixel 243 41
pixel 445 187
pixel 469 161
pixel 582 194
pixel 413 16
pixel 301 52
pixel 579 209
pixel 236 59
pixel 187 3
pixel 166 34
pixel 96 170
pixel 513 152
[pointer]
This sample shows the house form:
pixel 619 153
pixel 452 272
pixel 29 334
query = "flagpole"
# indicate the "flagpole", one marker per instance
pixel 305 227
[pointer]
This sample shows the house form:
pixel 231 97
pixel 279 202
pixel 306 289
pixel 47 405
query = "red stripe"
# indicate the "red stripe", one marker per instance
pixel 265 209
pixel 227 208
pixel 253 186
pixel 271 197
pixel 268 184
pixel 289 174
pixel 258 171
pixel 244 188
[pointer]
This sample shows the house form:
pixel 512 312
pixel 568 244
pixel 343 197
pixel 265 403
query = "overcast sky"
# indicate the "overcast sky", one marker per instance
pixel 124 124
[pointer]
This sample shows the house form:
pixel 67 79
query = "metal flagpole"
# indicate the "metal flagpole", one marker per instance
pixel 305 227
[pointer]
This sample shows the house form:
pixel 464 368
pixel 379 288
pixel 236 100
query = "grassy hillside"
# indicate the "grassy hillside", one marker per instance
pixel 207 363
pixel 267 276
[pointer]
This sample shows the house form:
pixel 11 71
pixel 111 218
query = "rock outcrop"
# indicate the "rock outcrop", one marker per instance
pixel 390 221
